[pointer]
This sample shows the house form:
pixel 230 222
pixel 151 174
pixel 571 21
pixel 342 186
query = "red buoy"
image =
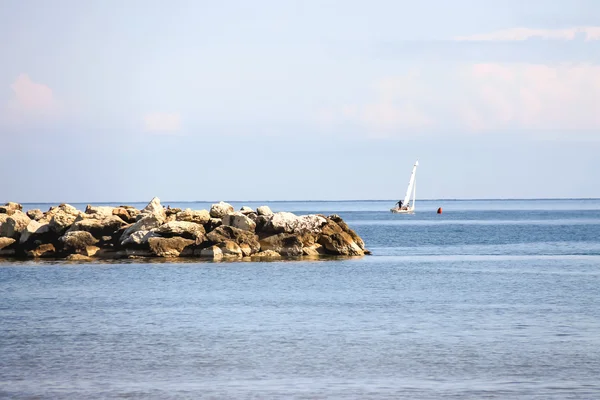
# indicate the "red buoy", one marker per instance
pixel 439 211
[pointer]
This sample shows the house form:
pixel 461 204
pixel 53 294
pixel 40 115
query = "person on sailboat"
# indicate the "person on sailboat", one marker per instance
pixel 399 204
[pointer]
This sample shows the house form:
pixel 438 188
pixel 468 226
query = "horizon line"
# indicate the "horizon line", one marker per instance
pixel 321 201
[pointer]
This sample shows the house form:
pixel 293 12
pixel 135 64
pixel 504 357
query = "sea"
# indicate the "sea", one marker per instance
pixel 491 299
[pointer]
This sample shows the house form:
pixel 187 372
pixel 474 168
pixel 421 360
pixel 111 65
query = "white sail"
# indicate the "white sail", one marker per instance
pixel 407 206
pixel 411 183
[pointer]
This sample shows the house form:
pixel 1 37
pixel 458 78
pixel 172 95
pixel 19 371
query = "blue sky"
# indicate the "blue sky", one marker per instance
pixel 281 100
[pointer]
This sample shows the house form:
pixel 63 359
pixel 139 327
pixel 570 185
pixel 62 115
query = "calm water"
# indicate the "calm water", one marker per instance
pixel 491 299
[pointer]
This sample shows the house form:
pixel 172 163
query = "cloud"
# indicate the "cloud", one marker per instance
pixel 162 122
pixel 393 108
pixel 30 99
pixel 541 99
pixel 589 33
pixel 532 97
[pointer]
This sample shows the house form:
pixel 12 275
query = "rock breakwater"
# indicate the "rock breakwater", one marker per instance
pixel 101 232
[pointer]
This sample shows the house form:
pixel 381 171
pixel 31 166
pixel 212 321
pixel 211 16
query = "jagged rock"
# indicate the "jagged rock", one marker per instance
pixel 10 207
pixel 188 230
pixel 34 228
pixel 267 254
pixel 146 223
pixel 229 248
pixel 3 218
pixel 7 246
pixel 314 250
pixel 213 252
pixel 127 214
pixel 246 210
pixel 264 210
pixel 154 208
pixel 78 257
pixel 36 214
pixel 172 211
pixel 240 221
pixel 213 224
pixel 220 209
pixel 103 211
pixel 138 238
pixel 283 243
pixel 169 247
pixel 14 224
pixel 336 241
pixel 342 224
pixel 239 236
pixel 106 226
pixel 309 224
pixel 285 222
pixel 78 240
pixel 43 250
pixel 61 218
pixel 246 249
pixel 198 217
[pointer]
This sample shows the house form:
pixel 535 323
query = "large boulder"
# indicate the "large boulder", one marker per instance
pixel 32 230
pixel 196 216
pixel 126 213
pixel 14 225
pixel 154 208
pixel 220 209
pixel 224 233
pixel 138 238
pixel 102 211
pixel 188 230
pixel 78 240
pixel 338 242
pixel 246 210
pixel 7 247
pixel 264 210
pixel 342 224
pixel 213 252
pixel 42 250
pixel 285 222
pixel 240 221
pixel 283 243
pixel 170 247
pixel 106 226
pixel 10 207
pixel 230 249
pixel 35 214
pixel 146 223
pixel 60 218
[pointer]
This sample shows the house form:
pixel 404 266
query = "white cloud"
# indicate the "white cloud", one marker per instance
pixel 30 100
pixel 162 122
pixel 589 33
pixel 532 96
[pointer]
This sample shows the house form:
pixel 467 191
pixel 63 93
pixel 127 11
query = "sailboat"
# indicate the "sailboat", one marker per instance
pixel 408 207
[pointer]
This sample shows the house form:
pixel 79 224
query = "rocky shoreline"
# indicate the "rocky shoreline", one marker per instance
pixel 221 233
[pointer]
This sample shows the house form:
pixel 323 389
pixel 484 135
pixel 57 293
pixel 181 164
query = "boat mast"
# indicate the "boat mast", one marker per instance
pixel 410 184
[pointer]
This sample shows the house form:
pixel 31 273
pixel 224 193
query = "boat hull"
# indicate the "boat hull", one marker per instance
pixel 402 211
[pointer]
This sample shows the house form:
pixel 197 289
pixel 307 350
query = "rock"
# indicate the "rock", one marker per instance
pixel 309 224
pixel 240 221
pixel 169 247
pixel 3 218
pixel 239 236
pixel 78 241
pixel 246 210
pixel 61 218
pixel 264 210
pixel 10 207
pixel 342 224
pixel 126 214
pixel 220 209
pixel 213 224
pixel 14 224
pixel 314 250
pixel 78 257
pixel 43 250
pixel 213 252
pixel 106 226
pixel 229 248
pixel 138 238
pixel 338 242
pixel 172 211
pixel 146 223
pixel 246 249
pixel 154 208
pixel 188 230
pixel 7 246
pixel 33 228
pixel 283 243
pixel 198 217
pixel 36 214
pixel 283 222
pixel 103 211
pixel 267 254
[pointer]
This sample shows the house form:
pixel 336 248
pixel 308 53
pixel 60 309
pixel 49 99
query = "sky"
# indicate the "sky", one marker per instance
pixel 296 100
